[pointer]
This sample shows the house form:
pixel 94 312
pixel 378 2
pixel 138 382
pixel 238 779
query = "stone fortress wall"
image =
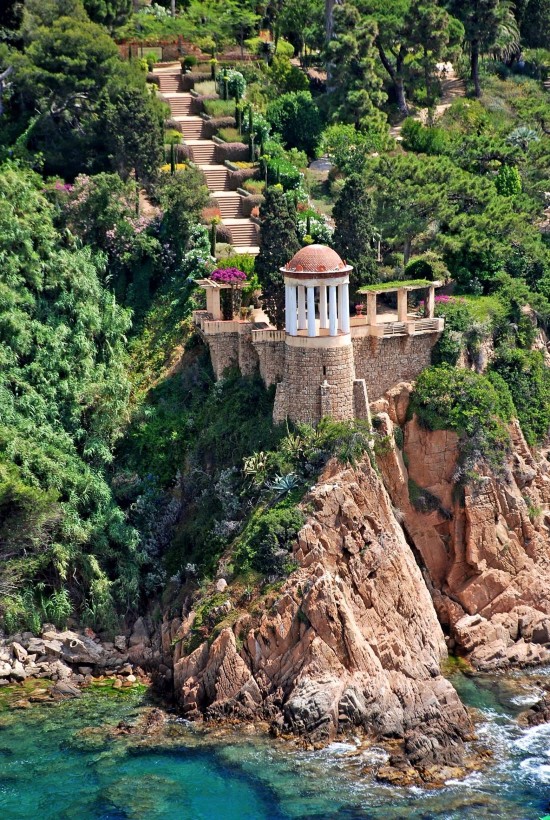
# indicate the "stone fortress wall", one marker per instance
pixel 300 372
pixel 325 362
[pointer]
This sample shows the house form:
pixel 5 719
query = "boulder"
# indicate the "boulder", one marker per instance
pixel 19 652
pixel 140 634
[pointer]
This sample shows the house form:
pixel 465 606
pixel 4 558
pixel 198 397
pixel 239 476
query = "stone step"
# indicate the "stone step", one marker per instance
pixel 180 109
pixel 170 82
pixel 229 203
pixel 243 232
pixel 216 176
pixel 190 127
pixel 202 151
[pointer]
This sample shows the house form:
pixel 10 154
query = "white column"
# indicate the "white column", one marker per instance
pixel 292 315
pixel 323 307
pixel 345 308
pixel 287 306
pixel 311 330
pixel 332 312
pixel 341 310
pixel 301 307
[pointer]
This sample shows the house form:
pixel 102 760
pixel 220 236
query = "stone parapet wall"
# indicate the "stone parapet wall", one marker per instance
pixel 271 358
pixel 383 363
pixel 305 371
pixel 224 351
pixel 248 357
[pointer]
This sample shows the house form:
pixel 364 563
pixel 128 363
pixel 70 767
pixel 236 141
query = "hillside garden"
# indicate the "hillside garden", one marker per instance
pixel 122 463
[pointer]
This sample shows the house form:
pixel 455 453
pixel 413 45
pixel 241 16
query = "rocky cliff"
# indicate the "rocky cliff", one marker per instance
pixel 485 546
pixel 350 640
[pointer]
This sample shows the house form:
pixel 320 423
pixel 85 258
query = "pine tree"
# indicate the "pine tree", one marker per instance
pixel 278 244
pixel 354 230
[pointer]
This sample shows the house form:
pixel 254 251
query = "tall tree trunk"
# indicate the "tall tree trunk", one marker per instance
pixel 474 66
pixel 407 247
pixel 173 7
pixel 329 8
pixel 395 76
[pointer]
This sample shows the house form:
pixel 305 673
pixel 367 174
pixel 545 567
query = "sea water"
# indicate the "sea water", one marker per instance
pixel 55 762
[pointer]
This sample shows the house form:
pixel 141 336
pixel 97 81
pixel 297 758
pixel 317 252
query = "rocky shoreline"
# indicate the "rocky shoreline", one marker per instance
pixel 70 659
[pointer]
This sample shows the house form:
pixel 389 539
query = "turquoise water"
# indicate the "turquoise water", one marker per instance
pixel 55 764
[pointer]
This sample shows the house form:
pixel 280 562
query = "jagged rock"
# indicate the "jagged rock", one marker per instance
pixel 65 689
pixel 221 585
pixel 140 634
pixel 74 648
pixel 20 653
pixel 486 553
pixel 18 671
pixel 350 640
pixel 5 669
pixel 120 643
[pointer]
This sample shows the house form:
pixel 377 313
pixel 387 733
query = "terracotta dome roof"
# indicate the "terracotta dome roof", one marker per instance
pixel 315 259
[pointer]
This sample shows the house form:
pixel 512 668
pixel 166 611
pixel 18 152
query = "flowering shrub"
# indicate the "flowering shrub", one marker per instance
pixel 228 276
pixel 211 215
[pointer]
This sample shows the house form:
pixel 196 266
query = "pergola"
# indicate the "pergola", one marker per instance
pixel 402 289
pixel 213 290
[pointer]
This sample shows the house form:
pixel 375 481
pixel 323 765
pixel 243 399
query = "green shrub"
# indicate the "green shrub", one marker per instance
pixel 254 186
pixel 424 139
pixel 266 543
pixel 528 379
pixel 508 181
pixel 476 407
pixel 295 116
pixel 282 172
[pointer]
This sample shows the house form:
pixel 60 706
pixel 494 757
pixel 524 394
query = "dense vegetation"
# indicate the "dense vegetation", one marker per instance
pixel 122 463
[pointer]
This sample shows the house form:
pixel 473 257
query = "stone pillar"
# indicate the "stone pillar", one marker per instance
pixel 371 308
pixel 311 329
pixel 430 305
pixel 340 306
pixel 292 326
pixel 401 305
pixel 323 307
pixel 301 308
pixel 345 308
pixel 213 305
pixel 332 311
pixel 287 312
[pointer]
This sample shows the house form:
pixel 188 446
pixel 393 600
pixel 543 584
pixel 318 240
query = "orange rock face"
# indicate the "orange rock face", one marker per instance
pixel 486 548
pixel 351 640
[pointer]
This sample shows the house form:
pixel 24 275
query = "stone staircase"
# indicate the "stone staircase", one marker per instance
pixel 191 127
pixel 244 231
pixel 230 204
pixel 180 104
pixel 217 177
pixel 202 151
pixel 169 82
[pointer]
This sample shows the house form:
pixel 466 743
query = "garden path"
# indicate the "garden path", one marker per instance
pixel 452 87
pixel 244 232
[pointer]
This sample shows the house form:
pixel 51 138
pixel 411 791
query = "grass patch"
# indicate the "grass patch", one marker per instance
pixel 206 88
pixel 229 135
pixel 219 108
pixel 394 285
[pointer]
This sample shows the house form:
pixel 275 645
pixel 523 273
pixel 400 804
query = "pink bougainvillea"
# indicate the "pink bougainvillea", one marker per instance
pixel 228 276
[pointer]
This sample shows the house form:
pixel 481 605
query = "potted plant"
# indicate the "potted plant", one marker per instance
pixel 359 309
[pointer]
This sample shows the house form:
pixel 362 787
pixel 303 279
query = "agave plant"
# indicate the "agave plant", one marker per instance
pixel 522 137
pixel 284 484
